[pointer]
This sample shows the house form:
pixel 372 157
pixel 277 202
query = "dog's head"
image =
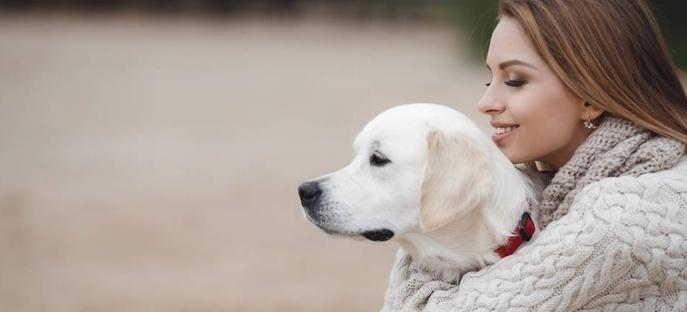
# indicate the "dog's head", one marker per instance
pixel 417 167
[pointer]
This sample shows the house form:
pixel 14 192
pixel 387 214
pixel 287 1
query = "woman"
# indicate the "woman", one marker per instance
pixel 587 89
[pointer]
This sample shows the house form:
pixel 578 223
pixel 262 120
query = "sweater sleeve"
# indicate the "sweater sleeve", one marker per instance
pixel 621 246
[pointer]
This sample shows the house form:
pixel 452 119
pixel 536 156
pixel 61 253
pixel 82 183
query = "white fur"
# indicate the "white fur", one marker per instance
pixel 449 194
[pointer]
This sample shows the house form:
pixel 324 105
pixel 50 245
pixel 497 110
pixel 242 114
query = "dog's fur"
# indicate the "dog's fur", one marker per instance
pixel 448 195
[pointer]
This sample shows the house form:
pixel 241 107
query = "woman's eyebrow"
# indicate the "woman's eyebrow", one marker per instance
pixel 512 63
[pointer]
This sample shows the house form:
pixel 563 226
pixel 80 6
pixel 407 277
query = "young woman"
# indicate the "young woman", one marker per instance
pixel 586 89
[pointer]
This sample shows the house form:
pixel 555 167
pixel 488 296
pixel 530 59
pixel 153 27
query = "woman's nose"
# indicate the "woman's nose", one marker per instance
pixel 490 104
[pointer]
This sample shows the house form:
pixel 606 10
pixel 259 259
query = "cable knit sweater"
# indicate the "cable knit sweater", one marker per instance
pixel 620 246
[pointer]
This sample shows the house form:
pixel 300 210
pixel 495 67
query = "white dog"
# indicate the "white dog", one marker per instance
pixel 428 177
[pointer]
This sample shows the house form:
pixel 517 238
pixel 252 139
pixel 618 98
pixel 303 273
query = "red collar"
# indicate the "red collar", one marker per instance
pixel 523 232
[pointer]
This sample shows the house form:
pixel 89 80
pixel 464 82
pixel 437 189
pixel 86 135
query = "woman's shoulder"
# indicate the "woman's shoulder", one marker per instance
pixel 663 190
pixel 674 178
pixel 677 172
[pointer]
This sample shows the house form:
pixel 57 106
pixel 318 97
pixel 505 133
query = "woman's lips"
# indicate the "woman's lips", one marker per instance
pixel 500 138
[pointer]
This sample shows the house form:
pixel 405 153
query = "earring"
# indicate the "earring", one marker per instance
pixel 588 123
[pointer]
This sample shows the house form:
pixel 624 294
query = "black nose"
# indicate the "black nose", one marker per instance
pixel 310 193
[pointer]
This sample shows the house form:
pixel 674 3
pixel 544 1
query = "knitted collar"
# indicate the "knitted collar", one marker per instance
pixel 617 148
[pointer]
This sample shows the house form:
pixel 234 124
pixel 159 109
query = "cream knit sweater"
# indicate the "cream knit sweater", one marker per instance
pixel 621 247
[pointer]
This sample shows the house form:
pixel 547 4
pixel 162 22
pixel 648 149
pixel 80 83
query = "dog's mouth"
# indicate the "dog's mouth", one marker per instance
pixel 375 235
pixel 379 235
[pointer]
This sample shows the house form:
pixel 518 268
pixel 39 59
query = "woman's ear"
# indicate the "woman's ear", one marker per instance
pixel 456 180
pixel 591 111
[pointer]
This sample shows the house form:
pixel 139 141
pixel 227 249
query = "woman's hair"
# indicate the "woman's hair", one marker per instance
pixel 611 54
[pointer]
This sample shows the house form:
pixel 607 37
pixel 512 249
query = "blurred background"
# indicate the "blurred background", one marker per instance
pixel 150 151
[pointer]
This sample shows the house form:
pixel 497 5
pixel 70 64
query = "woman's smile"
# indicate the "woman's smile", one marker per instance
pixel 502 131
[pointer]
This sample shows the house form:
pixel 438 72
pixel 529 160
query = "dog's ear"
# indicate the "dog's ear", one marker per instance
pixel 457 180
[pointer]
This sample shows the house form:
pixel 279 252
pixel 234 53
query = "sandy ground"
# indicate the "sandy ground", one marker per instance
pixel 151 164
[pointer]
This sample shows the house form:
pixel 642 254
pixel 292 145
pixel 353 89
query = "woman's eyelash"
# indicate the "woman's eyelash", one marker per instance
pixel 514 83
pixel 510 83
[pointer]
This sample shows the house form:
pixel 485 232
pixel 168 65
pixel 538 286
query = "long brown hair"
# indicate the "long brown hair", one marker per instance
pixel 611 54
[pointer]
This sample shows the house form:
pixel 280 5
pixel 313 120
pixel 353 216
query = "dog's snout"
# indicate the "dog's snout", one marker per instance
pixel 310 193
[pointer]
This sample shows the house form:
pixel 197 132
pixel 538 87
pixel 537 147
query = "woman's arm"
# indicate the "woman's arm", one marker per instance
pixel 621 246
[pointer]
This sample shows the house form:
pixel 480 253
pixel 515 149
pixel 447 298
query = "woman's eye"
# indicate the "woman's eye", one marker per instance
pixel 514 83
pixel 378 160
pixel 510 83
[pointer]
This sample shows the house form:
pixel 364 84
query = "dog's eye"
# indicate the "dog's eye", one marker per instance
pixel 378 160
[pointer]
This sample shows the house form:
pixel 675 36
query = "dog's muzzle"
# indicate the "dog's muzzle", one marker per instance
pixel 379 235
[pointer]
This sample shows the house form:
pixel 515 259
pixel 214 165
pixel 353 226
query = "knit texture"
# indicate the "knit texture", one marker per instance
pixel 617 148
pixel 619 243
pixel 621 247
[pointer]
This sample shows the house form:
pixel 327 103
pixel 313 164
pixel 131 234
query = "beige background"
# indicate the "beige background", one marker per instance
pixel 151 164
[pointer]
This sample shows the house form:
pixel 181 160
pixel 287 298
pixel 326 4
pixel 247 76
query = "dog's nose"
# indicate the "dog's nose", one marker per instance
pixel 309 192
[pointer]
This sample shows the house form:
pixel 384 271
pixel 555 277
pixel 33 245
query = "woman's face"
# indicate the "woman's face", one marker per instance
pixel 533 115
